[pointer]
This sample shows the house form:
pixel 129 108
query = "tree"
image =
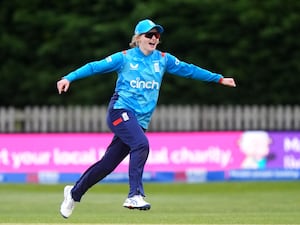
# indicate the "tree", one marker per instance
pixel 254 41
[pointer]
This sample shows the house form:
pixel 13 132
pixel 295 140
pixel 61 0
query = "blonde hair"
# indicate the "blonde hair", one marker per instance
pixel 134 41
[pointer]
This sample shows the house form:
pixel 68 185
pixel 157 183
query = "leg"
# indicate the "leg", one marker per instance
pixel 129 138
pixel 125 125
pixel 115 153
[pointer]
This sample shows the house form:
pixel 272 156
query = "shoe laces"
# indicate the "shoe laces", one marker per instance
pixel 138 199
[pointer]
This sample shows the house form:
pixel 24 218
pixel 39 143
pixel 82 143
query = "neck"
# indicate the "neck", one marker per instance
pixel 145 52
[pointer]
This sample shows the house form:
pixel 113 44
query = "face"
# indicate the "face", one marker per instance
pixel 149 41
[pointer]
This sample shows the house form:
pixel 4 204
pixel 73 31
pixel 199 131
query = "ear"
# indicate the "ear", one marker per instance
pixel 138 40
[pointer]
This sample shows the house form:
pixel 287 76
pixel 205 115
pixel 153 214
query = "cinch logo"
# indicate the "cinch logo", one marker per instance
pixel 137 83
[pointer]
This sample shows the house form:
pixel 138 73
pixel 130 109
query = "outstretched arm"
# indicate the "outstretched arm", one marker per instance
pixel 175 66
pixel 109 64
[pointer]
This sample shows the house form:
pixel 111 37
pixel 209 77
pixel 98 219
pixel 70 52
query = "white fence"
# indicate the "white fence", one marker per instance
pixel 166 118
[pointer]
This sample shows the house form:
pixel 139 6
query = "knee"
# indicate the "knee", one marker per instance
pixel 145 144
pixel 142 144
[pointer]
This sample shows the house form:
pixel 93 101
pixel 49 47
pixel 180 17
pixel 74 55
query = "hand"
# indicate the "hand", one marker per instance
pixel 63 85
pixel 228 82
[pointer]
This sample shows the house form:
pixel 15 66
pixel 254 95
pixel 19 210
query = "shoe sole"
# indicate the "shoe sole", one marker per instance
pixel 64 216
pixel 146 207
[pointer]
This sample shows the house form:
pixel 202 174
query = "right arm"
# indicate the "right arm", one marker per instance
pixel 109 64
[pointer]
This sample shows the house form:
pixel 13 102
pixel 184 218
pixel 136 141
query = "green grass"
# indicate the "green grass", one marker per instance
pixel 205 203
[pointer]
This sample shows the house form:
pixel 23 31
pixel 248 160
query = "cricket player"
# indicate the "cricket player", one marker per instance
pixel 140 71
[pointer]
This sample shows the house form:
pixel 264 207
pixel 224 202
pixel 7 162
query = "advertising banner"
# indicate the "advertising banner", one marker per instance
pixel 169 152
pixel 285 150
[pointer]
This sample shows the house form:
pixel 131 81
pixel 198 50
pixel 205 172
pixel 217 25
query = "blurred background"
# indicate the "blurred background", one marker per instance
pixel 256 42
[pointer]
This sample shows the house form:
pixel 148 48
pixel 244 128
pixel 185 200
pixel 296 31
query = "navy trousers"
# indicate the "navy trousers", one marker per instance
pixel 129 138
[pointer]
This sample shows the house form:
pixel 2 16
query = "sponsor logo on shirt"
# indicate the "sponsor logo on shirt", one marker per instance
pixel 138 83
pixel 134 67
pixel 156 67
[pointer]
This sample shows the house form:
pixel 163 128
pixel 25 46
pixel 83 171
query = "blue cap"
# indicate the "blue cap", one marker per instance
pixel 145 25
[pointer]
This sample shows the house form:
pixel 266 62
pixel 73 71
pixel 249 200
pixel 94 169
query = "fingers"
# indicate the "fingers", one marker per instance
pixel 232 82
pixel 229 82
pixel 59 87
pixel 63 86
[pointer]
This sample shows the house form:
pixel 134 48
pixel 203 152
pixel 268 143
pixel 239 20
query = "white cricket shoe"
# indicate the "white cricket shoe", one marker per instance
pixel 68 204
pixel 136 202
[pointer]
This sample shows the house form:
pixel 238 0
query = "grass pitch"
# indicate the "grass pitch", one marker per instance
pixel 178 203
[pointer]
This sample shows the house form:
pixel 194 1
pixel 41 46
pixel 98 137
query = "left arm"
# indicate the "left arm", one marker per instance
pixel 183 69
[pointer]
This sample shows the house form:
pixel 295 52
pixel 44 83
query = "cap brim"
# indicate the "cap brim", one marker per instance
pixel 159 28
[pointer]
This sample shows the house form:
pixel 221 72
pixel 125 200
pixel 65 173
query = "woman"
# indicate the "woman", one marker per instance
pixel 140 71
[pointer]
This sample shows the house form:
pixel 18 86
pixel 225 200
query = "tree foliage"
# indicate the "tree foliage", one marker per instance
pixel 256 42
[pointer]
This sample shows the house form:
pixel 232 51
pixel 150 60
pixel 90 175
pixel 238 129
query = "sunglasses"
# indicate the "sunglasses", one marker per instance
pixel 150 35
